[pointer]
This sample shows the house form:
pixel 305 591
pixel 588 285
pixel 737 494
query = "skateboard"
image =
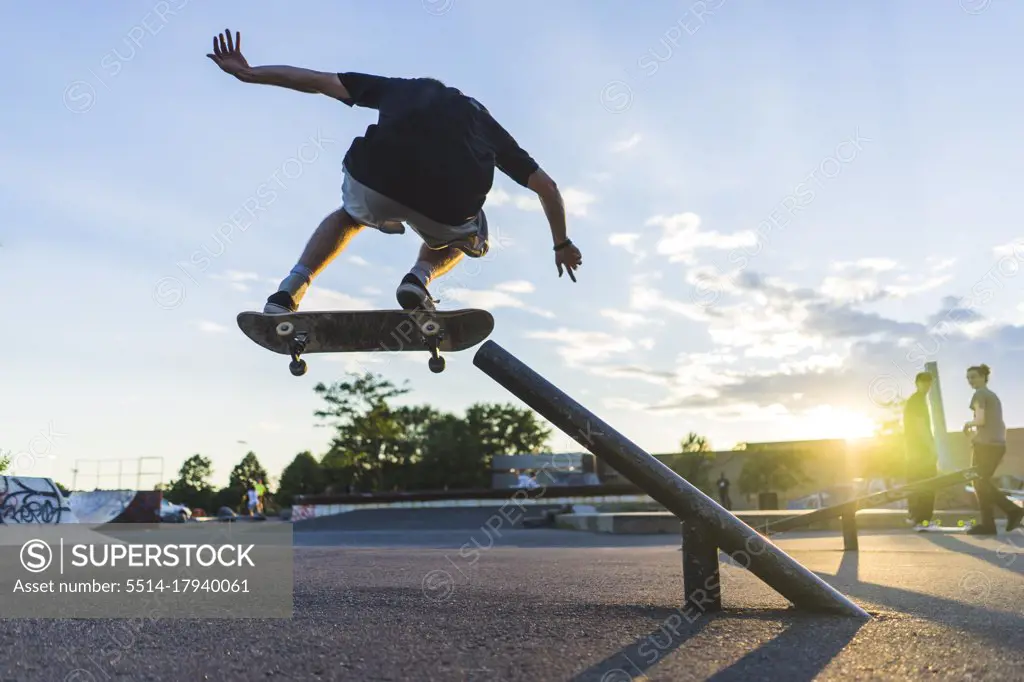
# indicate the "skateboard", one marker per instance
pixel 361 331
pixel 936 527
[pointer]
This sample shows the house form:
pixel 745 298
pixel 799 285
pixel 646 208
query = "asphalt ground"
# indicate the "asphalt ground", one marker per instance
pixel 463 601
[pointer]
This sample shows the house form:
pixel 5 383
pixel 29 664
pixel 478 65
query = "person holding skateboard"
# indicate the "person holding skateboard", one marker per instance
pixel 428 162
pixel 921 454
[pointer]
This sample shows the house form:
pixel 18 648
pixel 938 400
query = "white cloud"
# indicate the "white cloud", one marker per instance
pixel 577 202
pixel 872 264
pixel 498 197
pixel 682 236
pixel 627 144
pixel 1014 249
pixel 321 298
pixel 516 287
pixel 358 260
pixel 237 276
pixel 627 319
pixel 208 327
pixel 646 298
pixel 627 241
pixel 371 291
pixel 489 300
pixel 237 279
pixel 581 347
pixel 938 264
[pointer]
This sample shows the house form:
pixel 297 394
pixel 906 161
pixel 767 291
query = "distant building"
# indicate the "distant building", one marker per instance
pixel 842 466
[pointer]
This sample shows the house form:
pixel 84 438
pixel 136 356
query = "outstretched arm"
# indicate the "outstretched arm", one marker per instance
pixel 551 200
pixel 227 54
pixel 296 78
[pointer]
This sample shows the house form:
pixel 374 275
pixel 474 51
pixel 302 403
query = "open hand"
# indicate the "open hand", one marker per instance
pixel 227 54
pixel 570 258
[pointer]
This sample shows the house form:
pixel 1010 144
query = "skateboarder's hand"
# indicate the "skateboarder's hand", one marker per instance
pixel 569 258
pixel 227 53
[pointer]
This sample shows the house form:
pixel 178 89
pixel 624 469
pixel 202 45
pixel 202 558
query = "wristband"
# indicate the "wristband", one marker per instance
pixel 559 247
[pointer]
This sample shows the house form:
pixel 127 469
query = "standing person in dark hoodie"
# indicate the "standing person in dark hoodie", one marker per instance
pixel 989 446
pixel 922 457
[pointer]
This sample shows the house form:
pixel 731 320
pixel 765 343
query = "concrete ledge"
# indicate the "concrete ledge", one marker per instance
pixel 659 523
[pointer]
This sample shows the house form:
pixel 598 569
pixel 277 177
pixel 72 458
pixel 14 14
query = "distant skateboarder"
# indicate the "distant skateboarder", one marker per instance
pixel 723 491
pixel 429 162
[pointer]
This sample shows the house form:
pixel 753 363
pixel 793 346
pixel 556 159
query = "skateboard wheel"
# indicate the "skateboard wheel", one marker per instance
pixel 297 367
pixel 285 328
pixel 436 365
pixel 430 328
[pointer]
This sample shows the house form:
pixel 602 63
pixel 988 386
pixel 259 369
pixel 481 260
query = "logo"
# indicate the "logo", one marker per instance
pixel 36 556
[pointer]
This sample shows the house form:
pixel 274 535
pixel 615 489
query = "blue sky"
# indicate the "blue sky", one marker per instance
pixel 784 212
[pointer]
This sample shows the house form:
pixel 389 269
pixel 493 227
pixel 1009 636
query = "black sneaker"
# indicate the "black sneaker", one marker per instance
pixel 412 295
pixel 280 303
pixel 981 530
pixel 1013 519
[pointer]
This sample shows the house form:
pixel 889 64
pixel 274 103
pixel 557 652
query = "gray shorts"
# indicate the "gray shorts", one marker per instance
pixel 371 208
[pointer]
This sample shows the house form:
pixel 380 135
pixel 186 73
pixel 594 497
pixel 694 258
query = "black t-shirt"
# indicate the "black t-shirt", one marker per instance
pixel 917 428
pixel 432 149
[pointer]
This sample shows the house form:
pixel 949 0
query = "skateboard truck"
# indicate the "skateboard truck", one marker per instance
pixel 432 333
pixel 295 348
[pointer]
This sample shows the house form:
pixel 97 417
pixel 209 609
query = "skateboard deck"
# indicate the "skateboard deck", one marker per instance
pixel 934 527
pixel 365 331
pixel 943 529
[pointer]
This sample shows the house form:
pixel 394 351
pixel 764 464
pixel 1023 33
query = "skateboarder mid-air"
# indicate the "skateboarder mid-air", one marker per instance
pixel 428 162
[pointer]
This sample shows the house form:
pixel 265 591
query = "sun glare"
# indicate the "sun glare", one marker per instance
pixel 830 422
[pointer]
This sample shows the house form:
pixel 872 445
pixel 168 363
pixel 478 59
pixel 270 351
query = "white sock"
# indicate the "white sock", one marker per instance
pixel 422 271
pixel 296 283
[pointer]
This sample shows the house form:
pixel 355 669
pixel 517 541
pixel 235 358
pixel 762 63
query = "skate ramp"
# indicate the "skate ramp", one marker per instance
pixel 100 506
pixel 26 500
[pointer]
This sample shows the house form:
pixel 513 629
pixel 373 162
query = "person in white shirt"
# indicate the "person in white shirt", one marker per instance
pixel 527 480
pixel 254 500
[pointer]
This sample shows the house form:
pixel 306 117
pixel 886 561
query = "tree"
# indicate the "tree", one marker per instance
pixel 192 487
pixel 453 456
pixel 242 476
pixel 885 455
pixel 694 460
pixel 416 423
pixel 366 446
pixel 247 472
pixel 302 476
pixel 891 423
pixel 5 461
pixel 504 429
pixel 771 471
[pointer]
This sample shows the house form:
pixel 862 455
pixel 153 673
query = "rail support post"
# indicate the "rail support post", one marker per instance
pixel 702 581
pixel 849 519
